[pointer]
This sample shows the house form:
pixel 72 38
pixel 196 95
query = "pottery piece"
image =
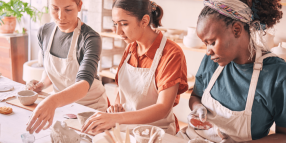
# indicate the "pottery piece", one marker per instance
pixel 82 117
pixel 61 133
pixel 280 50
pixel 192 40
pixel 4 88
pixel 155 134
pixel 27 97
pixel 9 25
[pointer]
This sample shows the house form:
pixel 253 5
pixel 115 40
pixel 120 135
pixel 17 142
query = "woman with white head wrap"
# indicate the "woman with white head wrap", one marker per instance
pixel 240 87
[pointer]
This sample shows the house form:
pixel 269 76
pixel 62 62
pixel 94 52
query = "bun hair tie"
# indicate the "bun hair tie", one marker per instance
pixel 153 6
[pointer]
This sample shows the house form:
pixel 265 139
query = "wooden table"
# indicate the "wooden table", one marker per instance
pixel 13 125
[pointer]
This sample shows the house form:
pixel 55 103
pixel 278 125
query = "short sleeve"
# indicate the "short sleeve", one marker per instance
pixel 280 105
pixel 173 70
pixel 204 75
pixel 199 84
pixel 40 39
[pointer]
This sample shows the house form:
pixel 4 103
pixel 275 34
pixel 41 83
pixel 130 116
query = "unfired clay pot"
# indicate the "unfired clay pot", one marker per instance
pixel 61 133
pixel 9 25
pixel 82 117
pixel 27 97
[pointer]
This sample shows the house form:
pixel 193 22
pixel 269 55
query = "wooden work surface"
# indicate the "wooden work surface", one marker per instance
pixel 17 103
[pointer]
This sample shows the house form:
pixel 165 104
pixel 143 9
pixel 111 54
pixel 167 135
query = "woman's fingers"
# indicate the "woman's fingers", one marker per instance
pixel 32 121
pixel 116 108
pixel 50 123
pixel 36 125
pixel 112 108
pixel 92 127
pixel 44 122
pixel 100 128
pixel 94 117
pixel 120 107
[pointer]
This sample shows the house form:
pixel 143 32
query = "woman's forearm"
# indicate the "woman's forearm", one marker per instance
pixel 45 80
pixel 194 100
pixel 71 94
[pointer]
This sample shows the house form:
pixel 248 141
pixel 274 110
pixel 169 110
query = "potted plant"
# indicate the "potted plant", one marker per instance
pixel 12 11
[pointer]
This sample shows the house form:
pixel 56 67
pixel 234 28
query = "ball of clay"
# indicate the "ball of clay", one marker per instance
pixel 6 110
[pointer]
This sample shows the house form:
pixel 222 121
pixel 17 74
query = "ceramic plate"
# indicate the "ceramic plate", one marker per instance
pixel 4 88
pixel 101 138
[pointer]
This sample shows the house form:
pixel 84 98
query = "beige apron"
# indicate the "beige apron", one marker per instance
pixel 62 73
pixel 137 89
pixel 236 124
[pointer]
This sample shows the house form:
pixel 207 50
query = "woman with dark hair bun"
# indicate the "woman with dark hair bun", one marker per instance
pixel 240 88
pixel 152 73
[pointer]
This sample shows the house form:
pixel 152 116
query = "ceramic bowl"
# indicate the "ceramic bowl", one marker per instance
pixel 27 97
pixel 145 138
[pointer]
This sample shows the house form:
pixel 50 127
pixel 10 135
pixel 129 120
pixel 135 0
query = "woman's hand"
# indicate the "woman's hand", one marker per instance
pixel 35 85
pixel 116 108
pixel 100 122
pixel 200 111
pixel 43 113
pixel 197 118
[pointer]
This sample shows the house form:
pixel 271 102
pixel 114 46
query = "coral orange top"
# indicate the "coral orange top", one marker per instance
pixel 172 68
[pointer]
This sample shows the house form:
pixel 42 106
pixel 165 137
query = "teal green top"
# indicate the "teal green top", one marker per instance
pixel 231 90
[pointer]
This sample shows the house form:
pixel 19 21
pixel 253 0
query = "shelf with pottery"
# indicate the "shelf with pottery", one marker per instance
pixel 201 50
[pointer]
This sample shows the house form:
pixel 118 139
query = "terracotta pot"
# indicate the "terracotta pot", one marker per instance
pixel 9 25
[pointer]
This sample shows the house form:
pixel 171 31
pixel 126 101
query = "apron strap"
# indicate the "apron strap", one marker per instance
pixel 154 66
pixel 213 79
pixel 76 33
pixel 51 39
pixel 257 67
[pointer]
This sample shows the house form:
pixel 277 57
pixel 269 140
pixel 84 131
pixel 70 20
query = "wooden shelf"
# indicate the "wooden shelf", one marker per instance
pixel 109 34
pixel 112 35
pixel 283 3
pixel 107 73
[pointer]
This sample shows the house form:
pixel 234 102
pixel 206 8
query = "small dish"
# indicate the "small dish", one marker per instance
pixel 27 97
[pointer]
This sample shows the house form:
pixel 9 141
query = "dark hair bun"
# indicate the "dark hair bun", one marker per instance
pixel 268 11
pixel 157 16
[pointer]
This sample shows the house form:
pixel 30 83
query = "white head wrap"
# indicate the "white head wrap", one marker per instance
pixel 238 10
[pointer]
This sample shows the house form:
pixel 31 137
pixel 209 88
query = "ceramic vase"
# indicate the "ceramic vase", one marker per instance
pixel 192 40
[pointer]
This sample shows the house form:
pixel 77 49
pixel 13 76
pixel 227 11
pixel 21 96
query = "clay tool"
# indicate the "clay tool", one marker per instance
pixel 109 136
